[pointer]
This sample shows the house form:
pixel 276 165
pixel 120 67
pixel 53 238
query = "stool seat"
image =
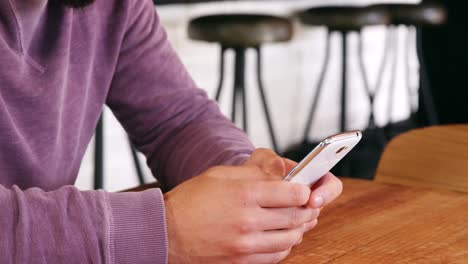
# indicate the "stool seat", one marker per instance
pixel 240 30
pixel 344 18
pixel 414 14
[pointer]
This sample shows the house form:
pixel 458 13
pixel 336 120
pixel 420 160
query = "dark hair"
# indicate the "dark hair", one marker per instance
pixel 76 3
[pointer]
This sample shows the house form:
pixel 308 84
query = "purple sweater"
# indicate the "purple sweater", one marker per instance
pixel 58 67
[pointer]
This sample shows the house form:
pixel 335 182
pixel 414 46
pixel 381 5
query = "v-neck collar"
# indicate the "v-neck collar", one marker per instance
pixel 19 20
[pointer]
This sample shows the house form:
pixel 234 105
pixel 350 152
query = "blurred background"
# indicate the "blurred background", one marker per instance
pixel 404 63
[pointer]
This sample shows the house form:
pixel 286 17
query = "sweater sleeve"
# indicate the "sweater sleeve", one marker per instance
pixel 181 132
pixel 69 226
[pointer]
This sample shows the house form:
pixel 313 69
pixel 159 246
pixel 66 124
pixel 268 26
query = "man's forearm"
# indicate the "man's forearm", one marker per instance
pixel 69 226
pixel 179 129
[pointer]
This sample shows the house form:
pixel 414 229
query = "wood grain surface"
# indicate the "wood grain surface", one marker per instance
pixel 435 157
pixel 381 223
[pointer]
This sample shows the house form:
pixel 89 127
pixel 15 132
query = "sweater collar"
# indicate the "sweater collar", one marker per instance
pixel 19 20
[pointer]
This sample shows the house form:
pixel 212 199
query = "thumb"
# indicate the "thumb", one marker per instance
pixel 289 164
pixel 269 162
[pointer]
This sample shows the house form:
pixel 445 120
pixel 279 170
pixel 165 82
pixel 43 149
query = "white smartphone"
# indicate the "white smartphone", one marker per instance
pixel 323 158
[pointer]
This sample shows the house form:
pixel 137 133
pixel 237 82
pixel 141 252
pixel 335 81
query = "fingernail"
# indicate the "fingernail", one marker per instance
pixel 318 202
pixel 311 225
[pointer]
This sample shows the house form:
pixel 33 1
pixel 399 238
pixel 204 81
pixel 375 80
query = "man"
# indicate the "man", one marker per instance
pixel 60 62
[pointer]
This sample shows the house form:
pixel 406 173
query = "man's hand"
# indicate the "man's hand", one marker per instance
pixel 269 162
pixel 236 215
pixel 324 191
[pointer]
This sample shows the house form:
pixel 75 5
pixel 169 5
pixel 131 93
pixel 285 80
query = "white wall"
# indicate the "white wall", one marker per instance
pixel 290 74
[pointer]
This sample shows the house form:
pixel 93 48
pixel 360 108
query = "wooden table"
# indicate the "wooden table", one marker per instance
pixel 379 223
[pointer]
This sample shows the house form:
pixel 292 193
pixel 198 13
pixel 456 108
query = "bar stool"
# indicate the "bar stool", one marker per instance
pixel 240 32
pixel 343 20
pixel 414 18
pixel 99 157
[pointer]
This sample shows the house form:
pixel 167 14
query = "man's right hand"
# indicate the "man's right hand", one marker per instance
pixel 235 215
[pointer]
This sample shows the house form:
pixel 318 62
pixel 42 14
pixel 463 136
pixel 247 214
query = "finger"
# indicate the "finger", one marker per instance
pixel 278 194
pixel 285 218
pixel 267 160
pixel 325 191
pixel 266 258
pixel 276 240
pixel 310 225
pixel 237 173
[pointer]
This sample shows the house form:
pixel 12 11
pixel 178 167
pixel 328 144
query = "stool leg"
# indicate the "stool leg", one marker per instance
pixel 388 47
pixel 240 77
pixel 264 100
pixel 99 154
pixel 408 45
pixel 221 74
pixel 239 85
pixel 344 168
pixel 136 161
pixel 233 106
pixel 365 80
pixel 372 94
pixel 425 94
pixel 344 80
pixel 393 74
pixel 318 89
pixel 244 109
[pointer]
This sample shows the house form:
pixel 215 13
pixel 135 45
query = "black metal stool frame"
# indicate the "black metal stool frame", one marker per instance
pixel 343 103
pixel 239 87
pixel 99 157
pixel 371 94
pixel 413 32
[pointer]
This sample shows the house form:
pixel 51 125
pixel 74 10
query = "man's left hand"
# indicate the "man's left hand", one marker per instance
pixel 327 189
